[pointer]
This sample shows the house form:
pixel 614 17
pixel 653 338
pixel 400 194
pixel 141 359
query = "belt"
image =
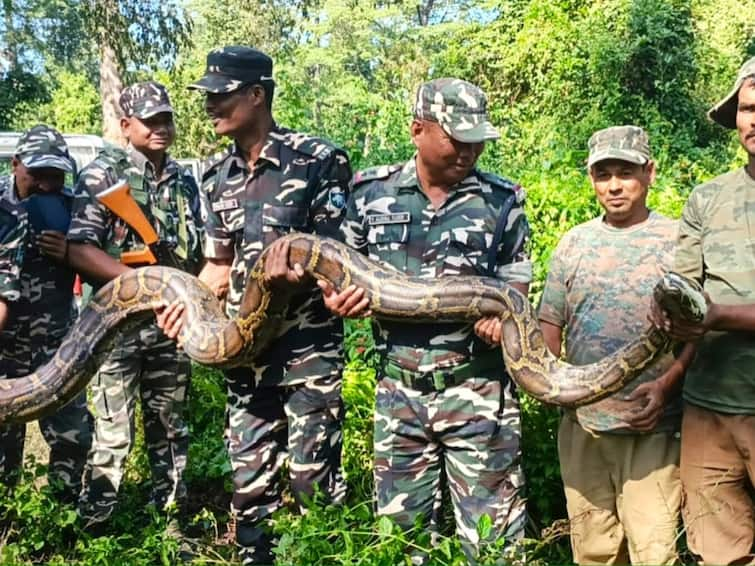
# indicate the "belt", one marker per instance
pixel 440 379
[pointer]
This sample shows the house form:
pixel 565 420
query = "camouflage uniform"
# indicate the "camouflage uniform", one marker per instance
pixel 716 238
pixel 143 362
pixel 40 296
pixel 444 400
pixel 622 487
pixel 288 404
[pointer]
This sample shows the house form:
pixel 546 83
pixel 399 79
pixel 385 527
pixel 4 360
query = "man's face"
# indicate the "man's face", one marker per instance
pixel 447 158
pixel 153 134
pixel 36 180
pixel 621 186
pixel 746 116
pixel 232 112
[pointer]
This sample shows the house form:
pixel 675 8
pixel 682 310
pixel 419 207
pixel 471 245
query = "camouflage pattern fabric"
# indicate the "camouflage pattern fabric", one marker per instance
pixel 39 317
pixel 626 143
pixel 715 247
pixel 171 203
pixel 291 396
pixel 43 146
pixel 391 220
pixel 144 100
pixel 13 234
pixel 299 183
pixel 231 67
pixel 143 362
pixel 471 431
pixel 599 289
pixel 300 424
pixel 435 376
pixel 458 106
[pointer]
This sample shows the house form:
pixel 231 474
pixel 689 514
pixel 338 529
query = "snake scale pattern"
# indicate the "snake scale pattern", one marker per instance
pixel 210 338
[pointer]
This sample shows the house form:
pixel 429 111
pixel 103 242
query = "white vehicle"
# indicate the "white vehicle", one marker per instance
pixel 83 148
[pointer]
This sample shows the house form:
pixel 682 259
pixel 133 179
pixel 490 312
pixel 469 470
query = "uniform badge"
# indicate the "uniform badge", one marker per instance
pixel 520 194
pixel 392 218
pixel 337 198
pixel 222 205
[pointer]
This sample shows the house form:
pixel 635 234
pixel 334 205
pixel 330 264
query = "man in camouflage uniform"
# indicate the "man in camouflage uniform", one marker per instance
pixel 444 401
pixel 270 182
pixel 143 362
pixel 36 299
pixel 620 456
pixel 715 247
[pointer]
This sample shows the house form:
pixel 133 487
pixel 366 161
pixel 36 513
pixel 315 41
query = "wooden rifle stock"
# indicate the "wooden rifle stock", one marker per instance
pixel 119 201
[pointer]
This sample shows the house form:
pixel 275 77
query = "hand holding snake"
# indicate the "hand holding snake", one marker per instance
pixel 210 338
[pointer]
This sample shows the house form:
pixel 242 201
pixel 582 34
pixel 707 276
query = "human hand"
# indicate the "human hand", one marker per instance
pixel 170 319
pixel 349 303
pixel 489 329
pixel 277 271
pixel 53 244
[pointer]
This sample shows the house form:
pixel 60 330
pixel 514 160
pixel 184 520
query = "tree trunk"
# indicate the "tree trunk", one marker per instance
pixel 10 52
pixel 111 85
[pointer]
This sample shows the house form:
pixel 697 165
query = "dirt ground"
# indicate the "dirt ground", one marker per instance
pixel 36 446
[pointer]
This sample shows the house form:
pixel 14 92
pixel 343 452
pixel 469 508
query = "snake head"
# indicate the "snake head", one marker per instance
pixel 681 297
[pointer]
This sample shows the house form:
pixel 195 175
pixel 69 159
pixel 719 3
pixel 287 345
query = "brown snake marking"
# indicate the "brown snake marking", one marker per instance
pixel 210 338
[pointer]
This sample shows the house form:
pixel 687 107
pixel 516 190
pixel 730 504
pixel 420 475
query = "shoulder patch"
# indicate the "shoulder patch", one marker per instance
pixel 214 160
pixel 505 184
pixel 375 173
pixel 308 145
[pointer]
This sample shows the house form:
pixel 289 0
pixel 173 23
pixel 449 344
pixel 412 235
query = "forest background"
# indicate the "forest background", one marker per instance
pixel 554 71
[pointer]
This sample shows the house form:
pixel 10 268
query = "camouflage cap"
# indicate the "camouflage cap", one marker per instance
pixel 43 146
pixel 627 143
pixel 725 112
pixel 144 100
pixel 458 106
pixel 229 68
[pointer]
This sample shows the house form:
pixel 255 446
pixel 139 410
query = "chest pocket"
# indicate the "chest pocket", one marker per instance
pixel 466 253
pixel 279 220
pixel 388 243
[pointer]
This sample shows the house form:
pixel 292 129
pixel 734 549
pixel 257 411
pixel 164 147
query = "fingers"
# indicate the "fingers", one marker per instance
pixel 489 330
pixel 349 303
pixel 170 319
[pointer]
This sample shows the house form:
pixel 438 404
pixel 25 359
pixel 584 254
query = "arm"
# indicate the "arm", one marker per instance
pixel 513 266
pixel 656 394
pixel 14 229
pixel 552 335
pixel 3 313
pixel 94 263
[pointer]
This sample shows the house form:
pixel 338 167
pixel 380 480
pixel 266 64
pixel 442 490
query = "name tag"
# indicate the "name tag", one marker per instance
pixel 395 218
pixel 222 205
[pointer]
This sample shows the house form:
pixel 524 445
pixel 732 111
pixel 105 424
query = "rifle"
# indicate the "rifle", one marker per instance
pixel 119 201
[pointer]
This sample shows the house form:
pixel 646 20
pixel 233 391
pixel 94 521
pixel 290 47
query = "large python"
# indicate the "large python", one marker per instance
pixel 210 338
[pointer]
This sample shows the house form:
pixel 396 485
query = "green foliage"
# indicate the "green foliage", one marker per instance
pixel 554 72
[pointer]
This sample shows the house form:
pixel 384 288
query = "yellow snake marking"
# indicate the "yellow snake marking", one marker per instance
pixel 210 338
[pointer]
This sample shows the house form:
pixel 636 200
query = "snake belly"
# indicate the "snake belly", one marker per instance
pixel 211 339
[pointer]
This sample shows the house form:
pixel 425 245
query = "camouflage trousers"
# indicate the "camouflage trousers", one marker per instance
pixel 472 433
pixel 68 433
pixel 143 364
pixel 268 426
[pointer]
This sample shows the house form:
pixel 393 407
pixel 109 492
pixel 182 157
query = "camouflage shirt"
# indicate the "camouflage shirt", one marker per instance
pixel 390 219
pixel 171 203
pixel 717 247
pixel 298 184
pixel 599 287
pixel 13 236
pixel 43 312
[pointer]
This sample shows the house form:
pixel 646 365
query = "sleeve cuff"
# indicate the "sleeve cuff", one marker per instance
pixel 518 272
pixel 218 248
